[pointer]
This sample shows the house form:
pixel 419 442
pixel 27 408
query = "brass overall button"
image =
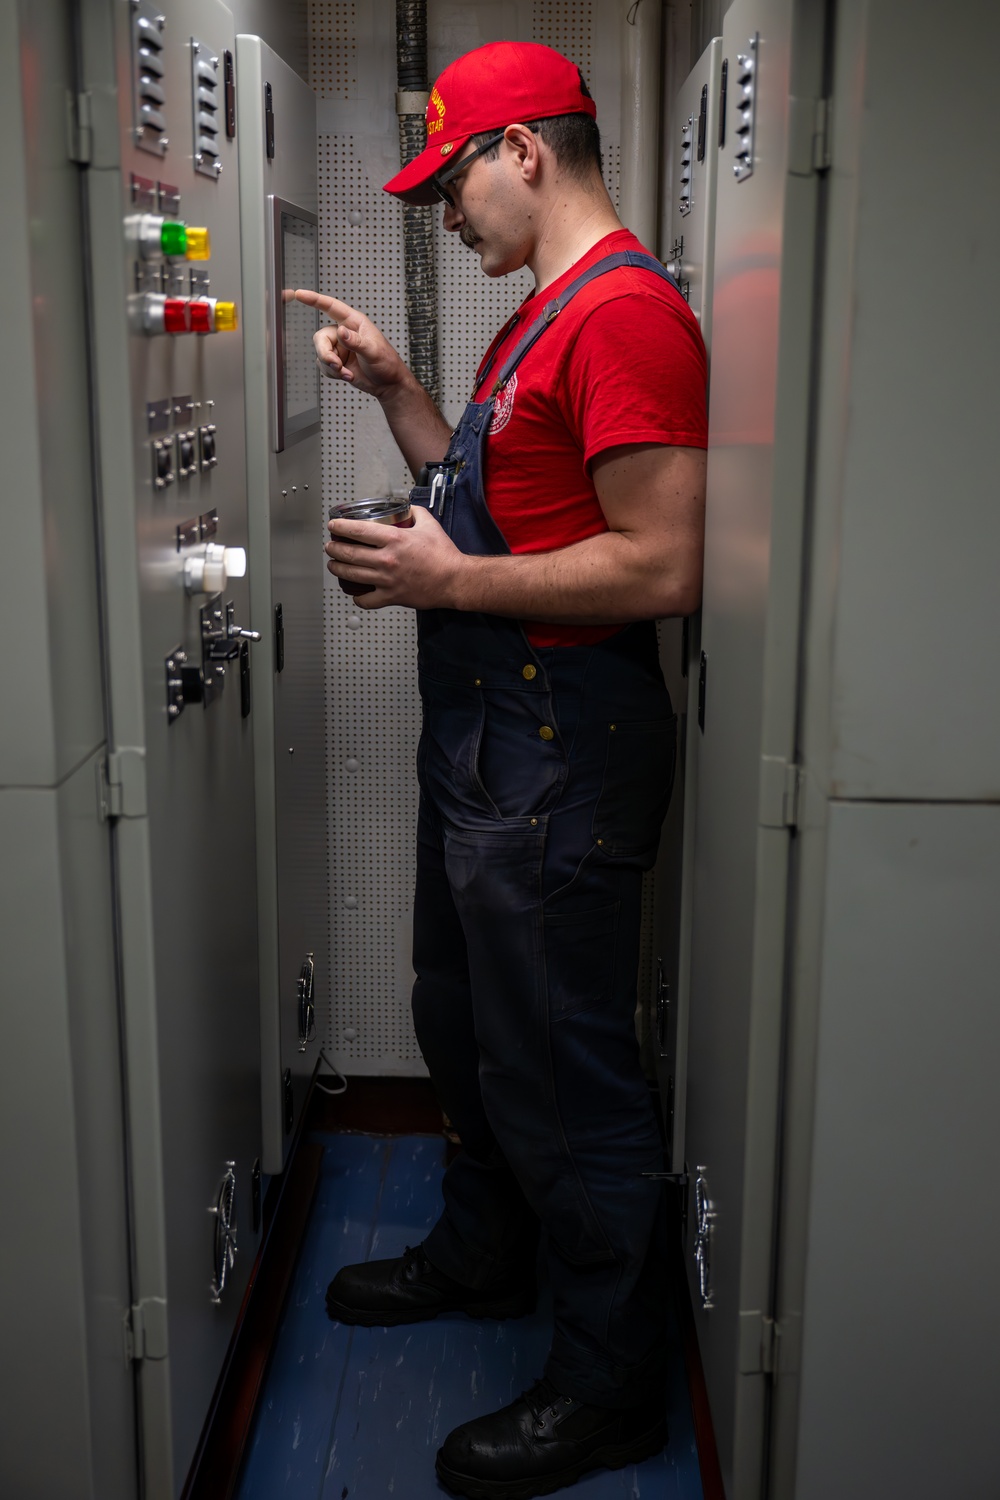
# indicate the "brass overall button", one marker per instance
pixel 529 672
pixel 547 733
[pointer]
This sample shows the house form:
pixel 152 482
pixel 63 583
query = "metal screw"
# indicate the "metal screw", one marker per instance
pixel 218 169
pixel 161 22
pixel 164 141
pixel 294 491
pixel 305 486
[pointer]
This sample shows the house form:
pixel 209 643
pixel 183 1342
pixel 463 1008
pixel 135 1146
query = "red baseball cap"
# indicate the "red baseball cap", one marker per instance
pixel 501 84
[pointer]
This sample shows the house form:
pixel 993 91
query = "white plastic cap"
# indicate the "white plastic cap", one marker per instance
pixel 207 571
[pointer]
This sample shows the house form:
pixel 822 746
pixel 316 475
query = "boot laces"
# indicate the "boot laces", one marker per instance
pixel 414 1260
pixel 540 1397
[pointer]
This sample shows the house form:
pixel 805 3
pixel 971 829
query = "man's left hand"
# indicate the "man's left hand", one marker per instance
pixel 416 565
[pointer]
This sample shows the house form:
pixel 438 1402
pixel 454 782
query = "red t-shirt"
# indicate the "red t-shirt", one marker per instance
pixel 624 362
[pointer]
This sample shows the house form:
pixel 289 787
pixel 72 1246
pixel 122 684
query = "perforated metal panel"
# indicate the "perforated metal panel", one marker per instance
pixel 333 48
pixel 374 712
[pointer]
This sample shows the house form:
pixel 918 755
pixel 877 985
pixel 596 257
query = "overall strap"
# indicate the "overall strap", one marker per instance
pixel 552 309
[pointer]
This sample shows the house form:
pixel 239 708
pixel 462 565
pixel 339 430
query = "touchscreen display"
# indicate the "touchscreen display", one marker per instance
pixel 299 261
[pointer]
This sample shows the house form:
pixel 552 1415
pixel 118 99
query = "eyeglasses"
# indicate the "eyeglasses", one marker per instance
pixel 440 181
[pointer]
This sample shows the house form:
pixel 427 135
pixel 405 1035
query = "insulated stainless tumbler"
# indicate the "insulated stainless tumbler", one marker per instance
pixel 381 508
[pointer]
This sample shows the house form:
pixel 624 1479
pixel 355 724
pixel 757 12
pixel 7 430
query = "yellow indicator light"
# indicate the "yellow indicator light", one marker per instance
pixel 199 246
pixel 227 318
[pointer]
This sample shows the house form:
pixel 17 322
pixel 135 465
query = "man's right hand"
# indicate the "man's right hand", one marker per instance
pixel 354 349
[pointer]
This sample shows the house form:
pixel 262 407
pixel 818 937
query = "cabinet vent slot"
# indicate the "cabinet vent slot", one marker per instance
pixel 148 92
pixel 206 101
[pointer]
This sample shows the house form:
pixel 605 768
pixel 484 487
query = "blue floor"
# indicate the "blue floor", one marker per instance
pixel 360 1412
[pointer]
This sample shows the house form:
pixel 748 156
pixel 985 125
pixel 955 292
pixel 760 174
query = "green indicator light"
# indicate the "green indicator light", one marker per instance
pixel 173 238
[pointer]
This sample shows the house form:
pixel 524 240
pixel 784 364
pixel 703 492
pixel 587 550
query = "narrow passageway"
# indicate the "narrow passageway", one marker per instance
pixel 360 1412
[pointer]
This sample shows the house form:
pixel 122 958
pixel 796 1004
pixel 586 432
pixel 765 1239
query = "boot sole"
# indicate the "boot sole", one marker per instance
pixel 614 1457
pixel 513 1307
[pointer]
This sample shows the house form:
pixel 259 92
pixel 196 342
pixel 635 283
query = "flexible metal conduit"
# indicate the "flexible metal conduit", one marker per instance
pixel 418 223
pixel 641 68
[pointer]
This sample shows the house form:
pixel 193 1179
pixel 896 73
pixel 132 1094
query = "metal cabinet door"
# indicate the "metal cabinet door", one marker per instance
pixel 746 671
pixel 692 242
pixel 170 433
pixel 277 146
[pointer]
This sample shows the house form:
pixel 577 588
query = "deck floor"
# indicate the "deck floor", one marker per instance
pixel 360 1412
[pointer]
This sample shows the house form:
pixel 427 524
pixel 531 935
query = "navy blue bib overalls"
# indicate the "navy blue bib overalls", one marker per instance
pixel 545 775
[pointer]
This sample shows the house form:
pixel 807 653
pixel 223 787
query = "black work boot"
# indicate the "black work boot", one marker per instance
pixel 543 1441
pixel 410 1290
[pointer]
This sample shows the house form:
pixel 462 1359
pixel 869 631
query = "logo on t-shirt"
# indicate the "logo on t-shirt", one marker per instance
pixel 504 405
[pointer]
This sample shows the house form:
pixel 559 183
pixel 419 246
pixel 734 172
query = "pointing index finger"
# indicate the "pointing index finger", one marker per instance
pixel 330 305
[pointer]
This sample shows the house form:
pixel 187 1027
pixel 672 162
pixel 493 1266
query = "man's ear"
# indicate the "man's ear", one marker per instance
pixel 524 143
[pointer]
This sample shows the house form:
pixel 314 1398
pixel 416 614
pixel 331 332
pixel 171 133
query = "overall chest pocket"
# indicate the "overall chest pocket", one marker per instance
pixel 639 767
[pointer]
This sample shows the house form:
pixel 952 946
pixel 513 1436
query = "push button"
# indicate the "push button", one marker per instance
pixel 198 244
pixel 547 733
pixel 529 672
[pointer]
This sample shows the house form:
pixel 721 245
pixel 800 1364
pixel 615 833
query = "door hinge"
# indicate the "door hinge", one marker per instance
pixel 760 1344
pixel 121 785
pixel 79 128
pixel 145 1328
pixel 808 136
pixel 780 792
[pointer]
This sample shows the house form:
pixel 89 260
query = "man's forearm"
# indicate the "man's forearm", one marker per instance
pixel 420 431
pixel 607 579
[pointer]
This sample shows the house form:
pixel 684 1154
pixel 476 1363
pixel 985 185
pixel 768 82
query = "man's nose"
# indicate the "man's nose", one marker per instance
pixel 453 218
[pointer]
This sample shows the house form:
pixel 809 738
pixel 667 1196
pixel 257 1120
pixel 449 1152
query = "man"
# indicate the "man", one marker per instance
pixel 565 515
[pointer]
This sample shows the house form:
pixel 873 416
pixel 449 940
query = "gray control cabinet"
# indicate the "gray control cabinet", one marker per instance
pixel 745 678
pixel 167 363
pixel 887 1306
pixel 67 1419
pixel 280 235
pixel 694 138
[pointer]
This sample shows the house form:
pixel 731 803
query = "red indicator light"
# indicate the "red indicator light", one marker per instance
pixel 175 316
pixel 201 317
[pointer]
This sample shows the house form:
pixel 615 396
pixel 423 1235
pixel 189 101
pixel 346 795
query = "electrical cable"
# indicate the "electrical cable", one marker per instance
pixel 337 1074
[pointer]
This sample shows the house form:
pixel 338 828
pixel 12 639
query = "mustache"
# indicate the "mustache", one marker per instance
pixel 468 237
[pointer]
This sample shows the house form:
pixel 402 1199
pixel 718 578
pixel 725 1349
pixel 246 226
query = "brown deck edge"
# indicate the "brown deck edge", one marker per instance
pixel 377 1106
pixel 216 1466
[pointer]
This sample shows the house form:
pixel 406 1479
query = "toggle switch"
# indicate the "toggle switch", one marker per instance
pixel 187 459
pixel 163 463
pixel 206 445
pixel 208 569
